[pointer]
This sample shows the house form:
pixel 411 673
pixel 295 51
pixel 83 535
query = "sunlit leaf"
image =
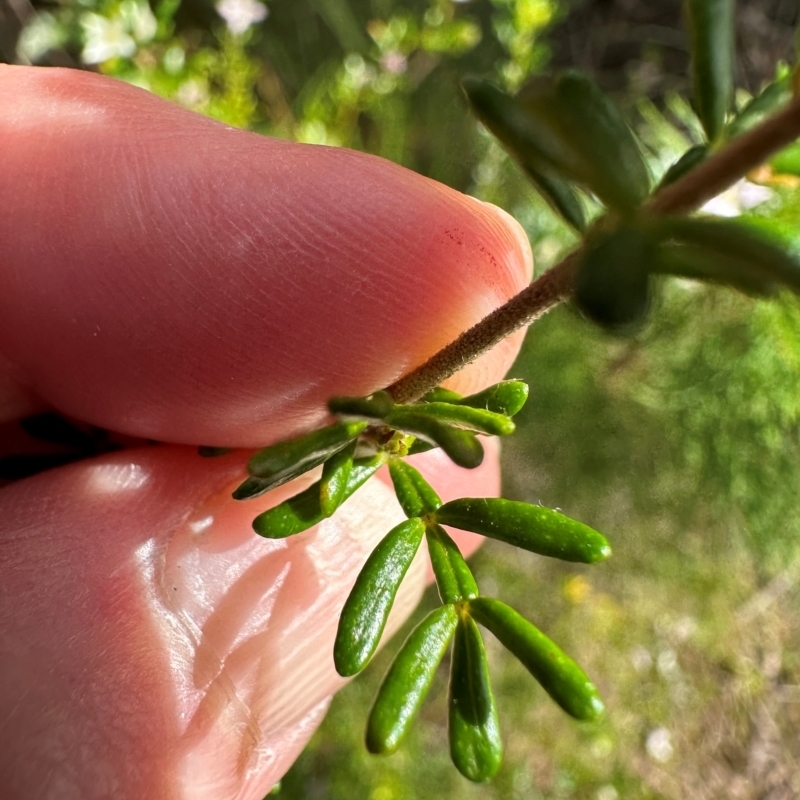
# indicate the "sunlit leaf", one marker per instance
pixel 367 607
pixel 506 397
pixel 557 673
pixel 524 525
pixel 335 477
pixel 454 578
pixel 303 511
pixel 408 680
pixel 415 494
pixel 470 418
pixel 376 406
pixel 284 461
pixel 685 164
pixel 769 100
pixel 474 730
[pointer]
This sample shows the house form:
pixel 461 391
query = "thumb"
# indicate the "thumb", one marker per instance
pixel 165 276
pixel 152 646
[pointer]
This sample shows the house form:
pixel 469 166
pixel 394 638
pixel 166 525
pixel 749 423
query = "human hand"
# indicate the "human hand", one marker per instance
pixel 166 277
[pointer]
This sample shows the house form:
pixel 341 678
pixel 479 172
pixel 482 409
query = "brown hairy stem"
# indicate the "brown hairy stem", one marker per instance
pixel 687 194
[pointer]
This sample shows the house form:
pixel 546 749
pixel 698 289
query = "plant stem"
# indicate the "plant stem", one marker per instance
pixel 694 189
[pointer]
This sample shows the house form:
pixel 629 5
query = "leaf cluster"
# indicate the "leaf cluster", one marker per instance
pixel 374 431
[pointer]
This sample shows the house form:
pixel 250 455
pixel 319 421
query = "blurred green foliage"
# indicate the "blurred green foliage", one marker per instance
pixel 681 445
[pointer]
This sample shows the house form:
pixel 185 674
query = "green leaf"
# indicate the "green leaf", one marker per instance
pixel 415 494
pixel 697 263
pixel 711 35
pixel 787 162
pixel 506 397
pixel 770 99
pixel 454 578
pixel 557 673
pixel 530 527
pixel 408 680
pixel 282 462
pixel 367 607
pixel 762 259
pixel 685 164
pixel 303 511
pixel 612 286
pixel 461 446
pixel 420 446
pixel 375 406
pixel 250 488
pixel 608 160
pixel 335 476
pixel 474 730
pixel 441 395
pixel 530 143
pixel 464 416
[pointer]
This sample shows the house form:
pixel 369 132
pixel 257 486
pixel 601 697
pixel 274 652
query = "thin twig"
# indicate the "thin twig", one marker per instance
pixel 687 194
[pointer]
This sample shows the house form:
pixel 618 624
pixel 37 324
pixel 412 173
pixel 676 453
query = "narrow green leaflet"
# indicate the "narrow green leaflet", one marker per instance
pixel 376 406
pixel 250 488
pixel 474 730
pixel 530 527
pixel 685 164
pixel 367 607
pixel 282 462
pixel 303 511
pixel 408 680
pixel 464 416
pixel 557 673
pixel 711 37
pixel 461 446
pixel 698 263
pixel 761 106
pixel 531 143
pixel 415 494
pixel 608 160
pixel 506 397
pixel 454 578
pixel 441 395
pixel 612 286
pixel 335 477
pixel 787 162
pixel 766 261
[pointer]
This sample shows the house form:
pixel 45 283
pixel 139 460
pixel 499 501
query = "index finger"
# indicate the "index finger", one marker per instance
pixel 166 276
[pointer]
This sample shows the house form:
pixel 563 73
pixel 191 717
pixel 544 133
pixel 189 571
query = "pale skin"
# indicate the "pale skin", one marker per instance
pixel 169 278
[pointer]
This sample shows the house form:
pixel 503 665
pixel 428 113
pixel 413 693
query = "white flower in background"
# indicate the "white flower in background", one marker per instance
pixel 117 36
pixel 239 15
pixel 659 745
pixel 41 34
pixel 139 19
pixel 742 196
pixel 105 39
